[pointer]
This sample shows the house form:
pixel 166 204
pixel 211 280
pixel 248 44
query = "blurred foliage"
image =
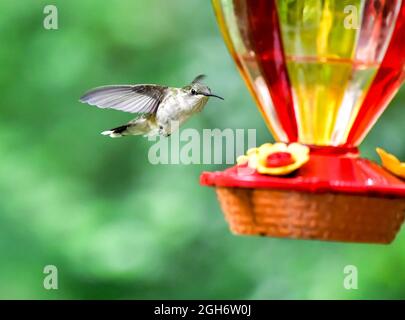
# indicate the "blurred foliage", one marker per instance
pixel 115 225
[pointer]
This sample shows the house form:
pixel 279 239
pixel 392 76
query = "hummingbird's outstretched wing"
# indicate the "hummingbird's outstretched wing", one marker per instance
pixel 142 98
pixel 199 78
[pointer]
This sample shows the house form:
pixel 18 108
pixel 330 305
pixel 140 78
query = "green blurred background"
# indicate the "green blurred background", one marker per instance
pixel 115 225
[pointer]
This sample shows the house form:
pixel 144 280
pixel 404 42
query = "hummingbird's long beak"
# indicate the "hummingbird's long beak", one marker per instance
pixel 213 95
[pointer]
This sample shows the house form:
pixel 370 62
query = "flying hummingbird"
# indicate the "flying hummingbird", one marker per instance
pixel 157 107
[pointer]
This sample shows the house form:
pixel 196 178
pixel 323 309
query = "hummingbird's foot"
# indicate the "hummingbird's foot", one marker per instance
pixel 163 132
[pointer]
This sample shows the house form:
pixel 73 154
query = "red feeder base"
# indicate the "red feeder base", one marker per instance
pixel 335 197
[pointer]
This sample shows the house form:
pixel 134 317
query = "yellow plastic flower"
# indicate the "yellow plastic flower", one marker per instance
pixel 250 158
pixel 276 159
pixel 281 159
pixel 391 163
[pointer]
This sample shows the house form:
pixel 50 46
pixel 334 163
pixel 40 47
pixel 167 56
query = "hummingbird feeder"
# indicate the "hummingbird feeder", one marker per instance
pixel 321 73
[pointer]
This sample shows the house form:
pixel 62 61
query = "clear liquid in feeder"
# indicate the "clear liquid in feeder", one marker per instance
pixel 321 72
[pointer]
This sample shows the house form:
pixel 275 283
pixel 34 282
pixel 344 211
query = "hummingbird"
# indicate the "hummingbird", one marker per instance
pixel 157 107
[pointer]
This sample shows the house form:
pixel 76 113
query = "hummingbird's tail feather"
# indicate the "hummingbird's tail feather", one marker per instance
pixel 139 126
pixel 116 132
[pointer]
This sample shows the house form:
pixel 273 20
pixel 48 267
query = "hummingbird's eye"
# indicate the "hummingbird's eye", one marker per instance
pixel 193 91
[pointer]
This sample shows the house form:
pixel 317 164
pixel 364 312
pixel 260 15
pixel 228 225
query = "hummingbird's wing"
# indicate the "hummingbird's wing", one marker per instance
pixel 142 98
pixel 199 78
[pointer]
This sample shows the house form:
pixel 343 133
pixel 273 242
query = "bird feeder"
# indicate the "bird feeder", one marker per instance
pixel 321 73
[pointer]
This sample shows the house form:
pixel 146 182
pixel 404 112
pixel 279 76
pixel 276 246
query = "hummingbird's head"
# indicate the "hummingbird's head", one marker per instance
pixel 200 90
